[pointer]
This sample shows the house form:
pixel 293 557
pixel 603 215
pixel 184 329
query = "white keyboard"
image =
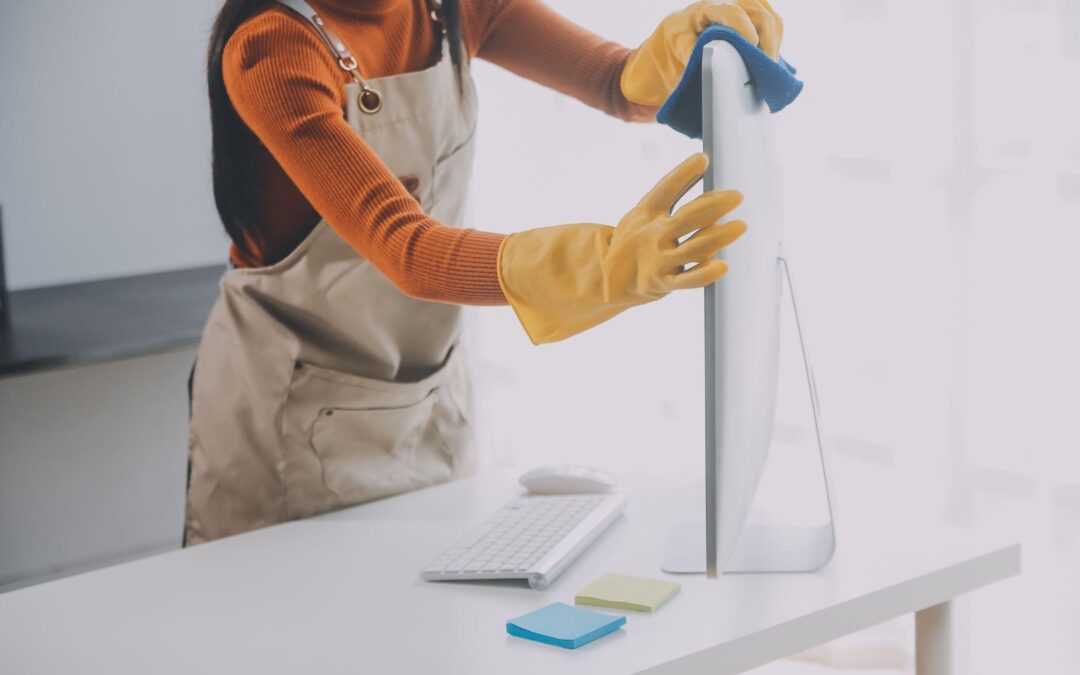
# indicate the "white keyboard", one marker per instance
pixel 533 538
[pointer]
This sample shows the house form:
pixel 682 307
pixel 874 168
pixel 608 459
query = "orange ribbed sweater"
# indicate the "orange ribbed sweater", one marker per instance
pixel 289 90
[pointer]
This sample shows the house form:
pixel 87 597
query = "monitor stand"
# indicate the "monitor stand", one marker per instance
pixel 762 547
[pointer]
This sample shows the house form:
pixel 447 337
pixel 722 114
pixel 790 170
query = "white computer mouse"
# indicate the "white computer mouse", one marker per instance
pixel 566 480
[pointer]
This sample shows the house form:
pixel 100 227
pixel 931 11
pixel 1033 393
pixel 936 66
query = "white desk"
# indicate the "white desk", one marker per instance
pixel 341 594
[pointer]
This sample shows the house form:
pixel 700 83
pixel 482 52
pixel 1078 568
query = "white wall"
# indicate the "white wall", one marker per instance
pixel 933 214
pixel 104 139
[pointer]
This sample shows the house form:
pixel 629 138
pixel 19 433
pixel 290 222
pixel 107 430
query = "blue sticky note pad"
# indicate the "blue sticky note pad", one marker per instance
pixel 563 625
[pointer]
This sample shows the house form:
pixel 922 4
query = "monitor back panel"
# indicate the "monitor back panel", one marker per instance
pixel 742 309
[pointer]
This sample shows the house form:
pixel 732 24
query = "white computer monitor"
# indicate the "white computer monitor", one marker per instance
pixel 742 341
pixel 742 314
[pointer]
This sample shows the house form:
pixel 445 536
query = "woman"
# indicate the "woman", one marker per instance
pixel 328 372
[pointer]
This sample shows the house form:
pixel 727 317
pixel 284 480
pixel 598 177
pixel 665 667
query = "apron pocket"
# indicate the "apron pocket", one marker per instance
pixel 452 412
pixel 351 439
pixel 375 452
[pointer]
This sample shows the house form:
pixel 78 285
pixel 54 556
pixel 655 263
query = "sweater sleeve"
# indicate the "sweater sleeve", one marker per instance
pixel 287 89
pixel 530 39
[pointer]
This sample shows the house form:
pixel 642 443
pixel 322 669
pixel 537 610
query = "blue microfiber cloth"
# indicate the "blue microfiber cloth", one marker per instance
pixel 775 82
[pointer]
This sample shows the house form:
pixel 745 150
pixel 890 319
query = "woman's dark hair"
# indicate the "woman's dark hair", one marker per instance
pixel 235 188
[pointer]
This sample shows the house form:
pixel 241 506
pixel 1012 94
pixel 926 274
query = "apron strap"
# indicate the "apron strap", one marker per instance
pixel 369 100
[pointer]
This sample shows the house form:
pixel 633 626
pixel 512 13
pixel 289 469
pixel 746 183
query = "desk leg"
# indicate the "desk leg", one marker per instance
pixel 933 640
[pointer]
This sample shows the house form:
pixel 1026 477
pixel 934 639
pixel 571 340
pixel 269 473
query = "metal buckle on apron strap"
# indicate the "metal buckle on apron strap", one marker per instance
pixel 369 99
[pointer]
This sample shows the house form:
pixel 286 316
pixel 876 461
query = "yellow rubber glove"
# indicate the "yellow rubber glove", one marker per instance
pixel 565 279
pixel 654 68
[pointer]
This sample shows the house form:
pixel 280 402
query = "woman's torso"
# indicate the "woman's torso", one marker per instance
pixel 319 384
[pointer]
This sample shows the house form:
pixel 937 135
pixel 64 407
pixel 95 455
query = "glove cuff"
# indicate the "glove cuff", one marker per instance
pixel 552 278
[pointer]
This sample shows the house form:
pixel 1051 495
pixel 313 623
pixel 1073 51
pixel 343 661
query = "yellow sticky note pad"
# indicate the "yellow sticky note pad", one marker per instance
pixel 623 592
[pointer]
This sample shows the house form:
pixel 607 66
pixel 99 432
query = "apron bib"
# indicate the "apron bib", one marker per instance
pixel 319 384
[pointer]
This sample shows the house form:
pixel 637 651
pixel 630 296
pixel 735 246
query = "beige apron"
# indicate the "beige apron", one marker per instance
pixel 320 385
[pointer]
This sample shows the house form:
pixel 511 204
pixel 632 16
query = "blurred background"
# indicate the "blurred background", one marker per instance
pixel 932 201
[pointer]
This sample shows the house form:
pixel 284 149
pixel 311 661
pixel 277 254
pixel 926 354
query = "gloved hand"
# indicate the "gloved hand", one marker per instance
pixel 565 279
pixel 654 68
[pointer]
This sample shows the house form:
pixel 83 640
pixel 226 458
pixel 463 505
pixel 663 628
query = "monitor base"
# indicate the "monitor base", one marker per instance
pixel 761 548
